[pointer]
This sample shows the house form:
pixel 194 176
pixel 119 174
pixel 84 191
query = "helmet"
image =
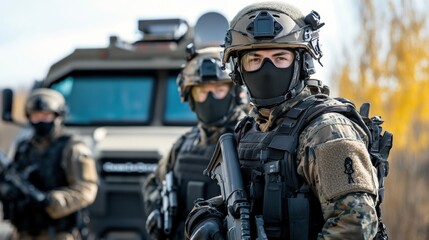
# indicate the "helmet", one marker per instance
pixel 273 25
pixel 46 100
pixel 202 66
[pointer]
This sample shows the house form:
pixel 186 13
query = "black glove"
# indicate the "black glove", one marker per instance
pixel 205 220
pixel 154 225
pixel 210 229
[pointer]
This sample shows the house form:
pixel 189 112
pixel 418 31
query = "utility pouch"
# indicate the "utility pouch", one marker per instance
pixel 194 191
pixel 273 212
pixel 299 217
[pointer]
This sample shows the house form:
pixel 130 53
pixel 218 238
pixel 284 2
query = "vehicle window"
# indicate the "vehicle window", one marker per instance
pixel 98 100
pixel 175 110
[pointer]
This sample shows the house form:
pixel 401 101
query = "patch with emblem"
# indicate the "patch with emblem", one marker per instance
pixel 344 166
pixel 348 169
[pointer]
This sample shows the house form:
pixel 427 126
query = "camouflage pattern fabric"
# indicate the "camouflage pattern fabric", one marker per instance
pixel 352 216
pixel 349 207
pixel 334 161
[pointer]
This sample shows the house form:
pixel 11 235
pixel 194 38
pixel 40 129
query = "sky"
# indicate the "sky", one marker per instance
pixel 36 34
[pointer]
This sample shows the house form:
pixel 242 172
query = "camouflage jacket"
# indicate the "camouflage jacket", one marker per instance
pixel 332 157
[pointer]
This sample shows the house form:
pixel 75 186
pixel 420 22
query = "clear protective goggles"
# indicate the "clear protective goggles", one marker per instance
pixel 219 91
pixel 253 60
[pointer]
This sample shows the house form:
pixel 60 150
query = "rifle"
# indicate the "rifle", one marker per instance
pixel 169 202
pixel 225 168
pixel 19 179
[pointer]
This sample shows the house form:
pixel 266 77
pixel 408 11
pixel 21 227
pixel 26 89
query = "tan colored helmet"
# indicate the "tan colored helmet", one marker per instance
pixel 203 66
pixel 267 25
pixel 45 99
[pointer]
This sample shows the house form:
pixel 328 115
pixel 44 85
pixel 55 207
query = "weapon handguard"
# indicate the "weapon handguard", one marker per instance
pixel 225 168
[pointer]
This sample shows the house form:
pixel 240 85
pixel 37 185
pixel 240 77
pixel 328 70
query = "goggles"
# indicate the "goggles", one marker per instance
pixel 253 60
pixel 218 90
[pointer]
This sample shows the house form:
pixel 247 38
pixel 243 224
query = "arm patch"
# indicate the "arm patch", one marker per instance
pixel 343 167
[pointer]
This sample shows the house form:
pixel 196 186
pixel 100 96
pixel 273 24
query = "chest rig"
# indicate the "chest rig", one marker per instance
pixel 190 160
pixel 47 170
pixel 269 167
pixel 43 168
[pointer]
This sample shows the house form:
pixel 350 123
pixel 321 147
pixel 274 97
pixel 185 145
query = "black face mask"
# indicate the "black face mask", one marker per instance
pixel 268 81
pixel 43 129
pixel 214 112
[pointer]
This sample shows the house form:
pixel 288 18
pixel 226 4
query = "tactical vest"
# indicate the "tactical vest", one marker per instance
pixel 269 167
pixel 45 172
pixel 190 162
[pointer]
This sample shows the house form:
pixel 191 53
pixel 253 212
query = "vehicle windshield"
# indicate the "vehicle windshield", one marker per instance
pixel 119 100
pixel 175 110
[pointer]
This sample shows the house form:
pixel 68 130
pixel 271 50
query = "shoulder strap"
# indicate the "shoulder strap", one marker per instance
pixel 242 127
pixel 379 144
pixel 21 149
pixel 64 139
pixel 62 142
pixel 300 116
pixel 184 140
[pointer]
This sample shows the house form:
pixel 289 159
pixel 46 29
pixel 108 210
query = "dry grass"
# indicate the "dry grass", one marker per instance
pixel 406 208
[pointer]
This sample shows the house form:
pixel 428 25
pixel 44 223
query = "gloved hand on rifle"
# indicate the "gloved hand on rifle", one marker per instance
pixel 154 225
pixel 210 228
pixel 37 197
pixel 205 221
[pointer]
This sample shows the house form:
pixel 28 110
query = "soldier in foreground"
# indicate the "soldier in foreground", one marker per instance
pixel 178 181
pixel 51 178
pixel 303 168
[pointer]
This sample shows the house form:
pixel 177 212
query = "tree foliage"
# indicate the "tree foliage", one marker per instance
pixel 389 67
pixel 392 69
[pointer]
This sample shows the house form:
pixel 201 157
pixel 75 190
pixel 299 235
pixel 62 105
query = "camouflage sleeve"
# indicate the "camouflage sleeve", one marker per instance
pixel 82 178
pixel 334 160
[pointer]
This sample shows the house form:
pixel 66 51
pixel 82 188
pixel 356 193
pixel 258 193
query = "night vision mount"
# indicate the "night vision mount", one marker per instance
pixel 264 26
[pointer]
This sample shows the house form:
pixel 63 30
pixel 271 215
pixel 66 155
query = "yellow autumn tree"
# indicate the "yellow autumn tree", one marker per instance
pixel 393 69
pixel 389 67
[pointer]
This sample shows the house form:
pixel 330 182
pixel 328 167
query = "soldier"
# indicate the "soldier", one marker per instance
pixel 218 106
pixel 52 176
pixel 306 171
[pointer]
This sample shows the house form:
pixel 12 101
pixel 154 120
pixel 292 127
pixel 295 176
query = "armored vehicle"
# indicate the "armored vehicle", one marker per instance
pixel 123 100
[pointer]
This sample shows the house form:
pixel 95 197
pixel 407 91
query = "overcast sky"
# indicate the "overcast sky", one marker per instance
pixel 36 34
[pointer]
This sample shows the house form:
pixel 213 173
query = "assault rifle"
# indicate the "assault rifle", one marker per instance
pixel 169 202
pixel 225 168
pixel 19 179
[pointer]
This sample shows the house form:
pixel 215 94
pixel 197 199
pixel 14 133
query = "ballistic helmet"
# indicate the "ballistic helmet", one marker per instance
pixel 45 99
pixel 268 25
pixel 274 25
pixel 202 66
